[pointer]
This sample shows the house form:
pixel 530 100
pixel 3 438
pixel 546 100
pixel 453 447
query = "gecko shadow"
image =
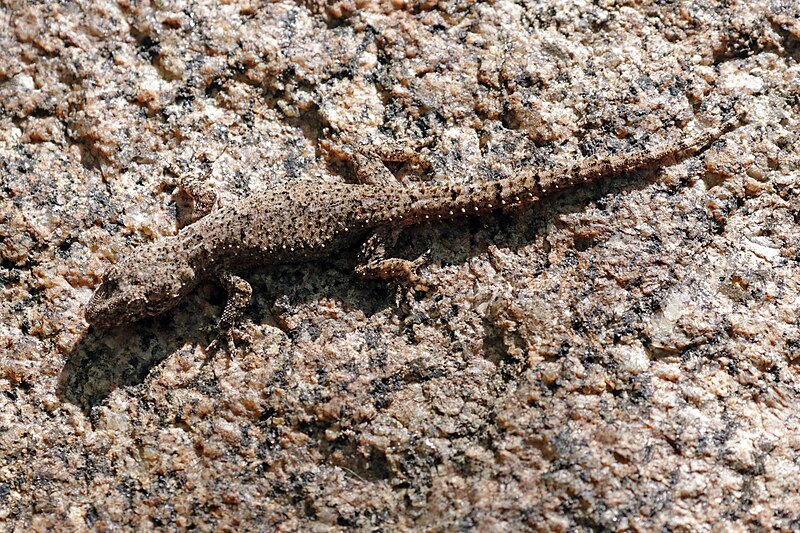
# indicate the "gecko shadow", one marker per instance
pixel 124 356
pixel 518 228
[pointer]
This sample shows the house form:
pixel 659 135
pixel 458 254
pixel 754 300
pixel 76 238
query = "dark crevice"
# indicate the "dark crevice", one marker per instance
pixel 791 41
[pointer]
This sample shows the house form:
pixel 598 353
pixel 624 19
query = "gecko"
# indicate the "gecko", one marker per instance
pixel 309 220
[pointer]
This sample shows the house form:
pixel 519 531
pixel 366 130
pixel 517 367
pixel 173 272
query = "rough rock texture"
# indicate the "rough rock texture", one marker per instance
pixel 624 357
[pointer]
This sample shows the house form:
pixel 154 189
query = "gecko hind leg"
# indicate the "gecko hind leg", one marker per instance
pixel 373 263
pixel 370 165
pixel 368 161
pixel 370 169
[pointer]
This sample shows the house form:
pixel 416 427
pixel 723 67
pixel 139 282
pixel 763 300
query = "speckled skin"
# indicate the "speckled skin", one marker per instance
pixel 309 220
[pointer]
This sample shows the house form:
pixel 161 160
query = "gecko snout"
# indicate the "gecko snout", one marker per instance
pixel 99 311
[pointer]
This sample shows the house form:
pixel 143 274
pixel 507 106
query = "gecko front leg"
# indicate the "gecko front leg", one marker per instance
pixel 239 293
pixel 204 200
pixel 202 197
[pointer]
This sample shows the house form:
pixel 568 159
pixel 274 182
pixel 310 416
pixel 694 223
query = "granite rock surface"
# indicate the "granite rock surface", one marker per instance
pixel 621 357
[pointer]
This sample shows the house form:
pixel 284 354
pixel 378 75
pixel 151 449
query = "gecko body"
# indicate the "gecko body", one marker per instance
pixel 310 220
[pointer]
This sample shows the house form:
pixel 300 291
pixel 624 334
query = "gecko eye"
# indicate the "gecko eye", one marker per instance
pixel 110 274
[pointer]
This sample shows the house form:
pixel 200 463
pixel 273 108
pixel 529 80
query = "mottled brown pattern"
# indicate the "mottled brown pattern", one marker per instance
pixel 309 220
pixel 621 356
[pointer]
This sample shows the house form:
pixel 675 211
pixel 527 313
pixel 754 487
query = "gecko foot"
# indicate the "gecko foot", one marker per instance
pixel 403 271
pixel 201 196
pixel 232 335
pixel 234 338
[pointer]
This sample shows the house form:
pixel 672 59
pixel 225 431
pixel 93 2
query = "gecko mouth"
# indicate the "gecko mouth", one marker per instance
pixel 95 314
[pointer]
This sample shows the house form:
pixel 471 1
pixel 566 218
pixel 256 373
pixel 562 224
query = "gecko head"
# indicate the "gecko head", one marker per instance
pixel 145 284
